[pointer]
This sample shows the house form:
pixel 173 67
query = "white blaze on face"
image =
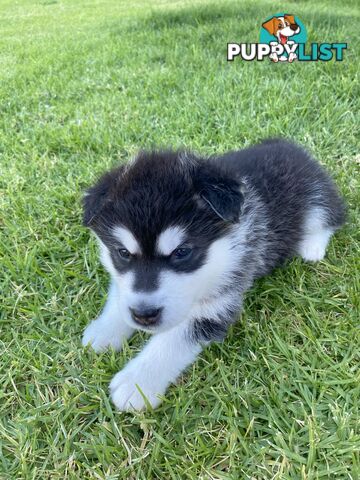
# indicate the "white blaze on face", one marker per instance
pixel 282 20
pixel 285 30
pixel 169 240
pixel 181 295
pixel 127 239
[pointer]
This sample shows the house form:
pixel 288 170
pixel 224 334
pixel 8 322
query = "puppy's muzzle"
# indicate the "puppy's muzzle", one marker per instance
pixel 146 316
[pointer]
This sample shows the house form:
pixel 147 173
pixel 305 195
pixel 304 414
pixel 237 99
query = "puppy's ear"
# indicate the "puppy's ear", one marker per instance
pixel 290 18
pixel 100 195
pixel 220 193
pixel 270 25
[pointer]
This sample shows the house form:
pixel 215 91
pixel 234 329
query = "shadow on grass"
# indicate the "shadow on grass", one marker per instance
pixel 252 13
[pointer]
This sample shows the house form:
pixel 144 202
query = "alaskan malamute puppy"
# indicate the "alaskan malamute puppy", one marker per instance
pixel 183 237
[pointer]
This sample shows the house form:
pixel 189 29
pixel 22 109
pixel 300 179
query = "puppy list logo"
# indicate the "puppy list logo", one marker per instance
pixel 282 39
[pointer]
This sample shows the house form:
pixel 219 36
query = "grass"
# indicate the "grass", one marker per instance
pixel 83 85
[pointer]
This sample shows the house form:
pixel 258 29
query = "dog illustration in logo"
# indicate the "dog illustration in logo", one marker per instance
pixel 282 28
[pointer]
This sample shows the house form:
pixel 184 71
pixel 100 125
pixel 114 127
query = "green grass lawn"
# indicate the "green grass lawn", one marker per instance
pixel 83 86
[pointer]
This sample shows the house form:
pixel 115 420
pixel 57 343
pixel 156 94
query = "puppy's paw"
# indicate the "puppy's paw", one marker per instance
pixel 126 385
pixel 313 246
pixel 313 253
pixel 101 336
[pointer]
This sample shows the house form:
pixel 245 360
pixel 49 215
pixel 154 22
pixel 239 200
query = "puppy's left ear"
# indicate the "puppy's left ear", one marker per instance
pixel 223 195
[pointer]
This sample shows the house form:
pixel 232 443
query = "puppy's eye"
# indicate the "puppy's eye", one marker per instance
pixel 125 254
pixel 181 253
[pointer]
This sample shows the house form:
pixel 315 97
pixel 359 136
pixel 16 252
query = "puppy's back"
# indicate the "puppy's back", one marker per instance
pixel 291 186
pixel 286 176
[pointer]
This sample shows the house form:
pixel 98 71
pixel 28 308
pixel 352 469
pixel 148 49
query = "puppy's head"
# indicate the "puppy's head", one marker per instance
pixel 164 225
pixel 282 27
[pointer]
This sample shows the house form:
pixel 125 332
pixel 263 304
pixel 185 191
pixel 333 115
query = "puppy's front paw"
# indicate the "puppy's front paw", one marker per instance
pixel 125 392
pixel 102 336
pixel 292 57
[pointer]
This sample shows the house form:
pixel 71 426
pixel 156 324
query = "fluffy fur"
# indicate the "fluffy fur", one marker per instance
pixel 184 237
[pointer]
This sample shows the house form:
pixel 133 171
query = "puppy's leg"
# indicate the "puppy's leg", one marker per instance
pixel 313 246
pixel 316 236
pixel 160 363
pixel 108 330
pixel 274 51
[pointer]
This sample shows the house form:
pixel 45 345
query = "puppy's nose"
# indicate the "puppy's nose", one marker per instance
pixel 294 27
pixel 146 316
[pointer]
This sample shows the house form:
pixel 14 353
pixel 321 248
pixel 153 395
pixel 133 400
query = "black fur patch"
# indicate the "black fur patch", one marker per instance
pixel 207 330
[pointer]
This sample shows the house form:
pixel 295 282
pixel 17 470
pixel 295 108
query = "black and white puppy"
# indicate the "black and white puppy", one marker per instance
pixel 184 237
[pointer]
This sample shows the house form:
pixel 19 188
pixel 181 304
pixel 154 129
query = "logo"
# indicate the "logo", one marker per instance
pixel 282 39
pixel 283 33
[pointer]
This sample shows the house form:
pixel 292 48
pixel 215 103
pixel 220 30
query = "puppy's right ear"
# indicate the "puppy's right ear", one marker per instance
pixel 270 25
pixel 101 194
pixel 94 200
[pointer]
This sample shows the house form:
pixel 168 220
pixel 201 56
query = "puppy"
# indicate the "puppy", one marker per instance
pixel 184 237
pixel 282 28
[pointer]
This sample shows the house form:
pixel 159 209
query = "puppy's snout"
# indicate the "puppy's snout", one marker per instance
pixel 294 27
pixel 146 316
